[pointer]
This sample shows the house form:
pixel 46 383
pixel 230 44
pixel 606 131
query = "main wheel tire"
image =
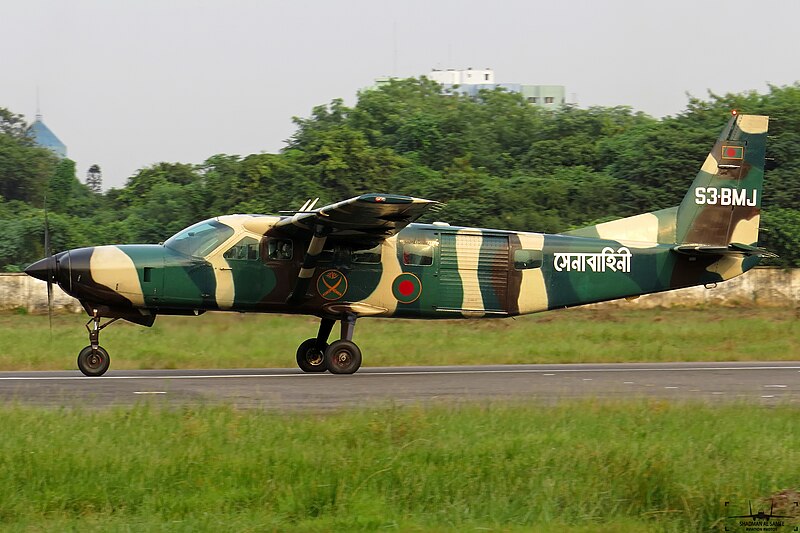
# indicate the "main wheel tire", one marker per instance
pixel 310 358
pixel 93 363
pixel 343 357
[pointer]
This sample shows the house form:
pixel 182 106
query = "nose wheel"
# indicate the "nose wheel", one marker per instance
pixel 93 361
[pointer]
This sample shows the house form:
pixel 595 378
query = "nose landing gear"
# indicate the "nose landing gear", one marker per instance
pixel 93 360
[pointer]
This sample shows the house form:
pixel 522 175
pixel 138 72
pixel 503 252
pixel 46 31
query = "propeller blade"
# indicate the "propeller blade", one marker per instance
pixel 46 231
pixel 50 268
pixel 50 304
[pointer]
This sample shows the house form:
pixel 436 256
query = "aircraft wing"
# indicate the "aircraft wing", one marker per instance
pixel 362 221
pixel 369 217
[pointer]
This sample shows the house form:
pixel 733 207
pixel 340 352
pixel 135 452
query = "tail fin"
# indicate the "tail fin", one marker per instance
pixel 723 205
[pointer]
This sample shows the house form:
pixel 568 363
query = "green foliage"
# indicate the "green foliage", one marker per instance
pixel 495 160
pixel 15 126
pixel 781 234
pixel 24 169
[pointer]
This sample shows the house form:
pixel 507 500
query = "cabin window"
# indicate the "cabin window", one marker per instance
pixel 371 256
pixel 244 250
pixel 526 259
pixel 200 239
pixel 280 249
pixel 420 254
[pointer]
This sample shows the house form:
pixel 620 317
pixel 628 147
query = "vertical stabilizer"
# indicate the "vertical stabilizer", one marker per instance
pixel 723 205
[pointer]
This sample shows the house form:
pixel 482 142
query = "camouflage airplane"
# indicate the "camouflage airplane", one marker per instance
pixel 363 257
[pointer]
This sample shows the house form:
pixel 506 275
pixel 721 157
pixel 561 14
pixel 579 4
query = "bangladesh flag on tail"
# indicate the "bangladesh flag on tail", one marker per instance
pixel 732 152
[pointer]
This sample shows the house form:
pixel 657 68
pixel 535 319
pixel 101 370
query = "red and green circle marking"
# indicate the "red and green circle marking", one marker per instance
pixel 406 288
pixel 733 152
pixel 332 284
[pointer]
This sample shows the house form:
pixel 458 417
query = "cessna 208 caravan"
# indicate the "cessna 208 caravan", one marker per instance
pixel 364 257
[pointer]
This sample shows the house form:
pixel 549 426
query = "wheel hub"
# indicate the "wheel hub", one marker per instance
pixel 314 357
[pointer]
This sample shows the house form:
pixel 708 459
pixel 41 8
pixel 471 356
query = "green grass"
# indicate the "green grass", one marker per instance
pixel 583 466
pixel 223 340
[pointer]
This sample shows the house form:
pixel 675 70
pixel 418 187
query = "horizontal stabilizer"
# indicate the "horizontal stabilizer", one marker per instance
pixel 732 249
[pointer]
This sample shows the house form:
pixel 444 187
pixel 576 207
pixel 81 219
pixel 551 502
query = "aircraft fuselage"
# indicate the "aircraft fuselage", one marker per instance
pixel 425 271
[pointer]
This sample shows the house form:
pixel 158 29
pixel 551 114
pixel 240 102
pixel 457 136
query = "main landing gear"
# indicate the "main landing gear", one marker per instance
pixel 340 357
pixel 93 360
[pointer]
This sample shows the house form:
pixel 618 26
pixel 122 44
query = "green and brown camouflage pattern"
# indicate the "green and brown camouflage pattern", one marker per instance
pixel 363 256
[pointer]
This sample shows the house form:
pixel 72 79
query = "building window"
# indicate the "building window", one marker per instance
pixel 486 77
pixel 532 99
pixel 549 99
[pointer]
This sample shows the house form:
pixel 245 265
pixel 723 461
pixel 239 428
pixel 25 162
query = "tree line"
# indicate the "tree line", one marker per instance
pixel 495 160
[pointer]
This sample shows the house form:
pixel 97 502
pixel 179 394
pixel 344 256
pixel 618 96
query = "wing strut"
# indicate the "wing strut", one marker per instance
pixel 309 264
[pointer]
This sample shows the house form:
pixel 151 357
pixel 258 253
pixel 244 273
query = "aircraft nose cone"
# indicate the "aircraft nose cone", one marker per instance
pixel 42 268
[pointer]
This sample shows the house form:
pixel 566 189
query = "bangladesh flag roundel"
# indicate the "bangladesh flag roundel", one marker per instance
pixel 406 288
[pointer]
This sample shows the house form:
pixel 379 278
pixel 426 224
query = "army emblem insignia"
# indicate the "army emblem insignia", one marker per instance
pixel 332 284
pixel 406 288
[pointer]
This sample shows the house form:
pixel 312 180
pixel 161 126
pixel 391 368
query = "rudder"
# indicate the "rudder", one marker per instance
pixel 723 205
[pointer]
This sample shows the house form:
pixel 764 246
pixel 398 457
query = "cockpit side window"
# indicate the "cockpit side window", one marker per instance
pixel 200 239
pixel 280 249
pixel 244 250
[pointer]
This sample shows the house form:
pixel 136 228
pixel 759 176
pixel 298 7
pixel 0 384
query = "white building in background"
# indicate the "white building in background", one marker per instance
pixel 472 81
pixel 462 77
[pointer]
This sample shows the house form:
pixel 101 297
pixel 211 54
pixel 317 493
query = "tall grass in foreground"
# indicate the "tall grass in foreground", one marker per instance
pixel 580 466
pixel 231 340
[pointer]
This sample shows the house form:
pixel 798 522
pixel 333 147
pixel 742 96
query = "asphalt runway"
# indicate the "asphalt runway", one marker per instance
pixel 290 389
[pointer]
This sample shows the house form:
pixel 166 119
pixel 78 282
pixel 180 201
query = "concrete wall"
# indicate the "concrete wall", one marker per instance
pixel 763 287
pixel 767 287
pixel 20 291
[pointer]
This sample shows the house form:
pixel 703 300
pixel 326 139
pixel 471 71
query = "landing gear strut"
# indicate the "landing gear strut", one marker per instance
pixel 93 360
pixel 340 357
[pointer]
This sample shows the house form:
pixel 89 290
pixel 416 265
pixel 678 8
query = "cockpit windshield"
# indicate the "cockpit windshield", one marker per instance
pixel 199 239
